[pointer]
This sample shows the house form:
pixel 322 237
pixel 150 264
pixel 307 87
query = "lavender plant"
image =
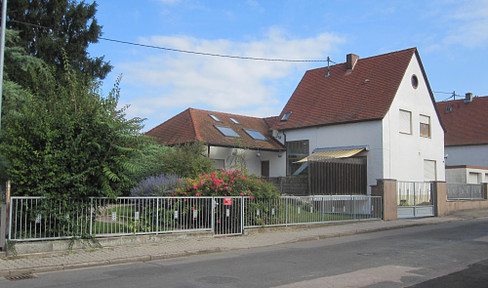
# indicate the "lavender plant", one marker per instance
pixel 161 185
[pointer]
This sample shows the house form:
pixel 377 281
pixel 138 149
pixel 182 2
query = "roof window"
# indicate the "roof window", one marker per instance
pixel 234 120
pixel 286 116
pixel 214 117
pixel 226 131
pixel 256 135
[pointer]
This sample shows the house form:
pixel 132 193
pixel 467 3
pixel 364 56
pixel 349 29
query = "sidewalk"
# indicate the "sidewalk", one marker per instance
pixel 192 246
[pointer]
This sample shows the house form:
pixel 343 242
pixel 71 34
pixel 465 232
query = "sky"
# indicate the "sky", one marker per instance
pixel 451 36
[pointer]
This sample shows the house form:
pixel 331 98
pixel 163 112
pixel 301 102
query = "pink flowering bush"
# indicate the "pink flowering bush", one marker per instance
pixel 227 183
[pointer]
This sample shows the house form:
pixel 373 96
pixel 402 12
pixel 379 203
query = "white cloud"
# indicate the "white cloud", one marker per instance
pixel 467 24
pixel 167 80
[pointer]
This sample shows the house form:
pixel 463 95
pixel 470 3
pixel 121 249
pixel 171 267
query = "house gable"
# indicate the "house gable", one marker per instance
pixel 413 137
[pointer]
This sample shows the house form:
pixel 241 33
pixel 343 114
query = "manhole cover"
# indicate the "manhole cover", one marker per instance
pixel 20 277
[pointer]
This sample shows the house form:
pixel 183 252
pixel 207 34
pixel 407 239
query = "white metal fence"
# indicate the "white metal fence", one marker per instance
pixel 463 191
pixel 35 218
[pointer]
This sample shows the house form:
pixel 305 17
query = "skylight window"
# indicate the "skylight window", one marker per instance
pixel 214 117
pixel 286 116
pixel 226 131
pixel 256 135
pixel 234 120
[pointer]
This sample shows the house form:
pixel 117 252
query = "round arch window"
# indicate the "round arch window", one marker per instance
pixel 415 81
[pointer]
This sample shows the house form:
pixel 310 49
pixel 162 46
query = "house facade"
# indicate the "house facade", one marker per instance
pixel 381 107
pixel 365 119
pixel 466 139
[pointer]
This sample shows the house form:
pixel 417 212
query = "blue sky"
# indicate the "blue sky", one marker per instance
pixel 451 35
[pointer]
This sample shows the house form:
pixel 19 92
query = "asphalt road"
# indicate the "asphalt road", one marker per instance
pixel 443 255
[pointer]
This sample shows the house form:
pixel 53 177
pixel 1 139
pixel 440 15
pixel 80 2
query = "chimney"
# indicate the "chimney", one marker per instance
pixel 469 97
pixel 351 60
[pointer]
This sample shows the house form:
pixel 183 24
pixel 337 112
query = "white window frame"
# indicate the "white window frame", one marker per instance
pixel 404 120
pixel 424 123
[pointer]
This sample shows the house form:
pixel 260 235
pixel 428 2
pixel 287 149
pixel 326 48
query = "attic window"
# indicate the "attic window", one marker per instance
pixel 214 117
pixel 448 109
pixel 256 135
pixel 415 81
pixel 226 131
pixel 286 116
pixel 234 120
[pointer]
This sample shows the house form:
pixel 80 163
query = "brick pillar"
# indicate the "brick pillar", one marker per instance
pixel 387 189
pixel 439 196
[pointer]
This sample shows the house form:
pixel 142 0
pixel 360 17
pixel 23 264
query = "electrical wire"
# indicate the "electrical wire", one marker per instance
pixel 196 52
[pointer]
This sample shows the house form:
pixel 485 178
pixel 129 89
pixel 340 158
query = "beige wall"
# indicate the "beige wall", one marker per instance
pixel 446 207
pixel 388 190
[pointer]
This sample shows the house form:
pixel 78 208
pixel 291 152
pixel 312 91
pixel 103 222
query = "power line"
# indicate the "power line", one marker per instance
pixel 196 52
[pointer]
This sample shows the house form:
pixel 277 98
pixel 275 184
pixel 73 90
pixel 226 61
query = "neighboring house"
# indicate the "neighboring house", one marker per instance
pixel 366 119
pixel 466 174
pixel 378 110
pixel 466 123
pixel 232 140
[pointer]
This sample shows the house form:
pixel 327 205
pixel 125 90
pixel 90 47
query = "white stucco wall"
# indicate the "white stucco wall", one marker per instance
pixel 357 134
pixel 404 154
pixel 277 165
pixel 475 155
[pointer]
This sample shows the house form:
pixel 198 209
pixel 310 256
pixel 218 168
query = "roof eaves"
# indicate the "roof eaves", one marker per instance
pixel 330 124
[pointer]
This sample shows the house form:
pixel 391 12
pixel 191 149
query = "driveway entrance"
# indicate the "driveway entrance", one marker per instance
pixel 415 199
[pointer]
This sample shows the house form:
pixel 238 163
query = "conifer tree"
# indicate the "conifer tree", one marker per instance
pixel 51 28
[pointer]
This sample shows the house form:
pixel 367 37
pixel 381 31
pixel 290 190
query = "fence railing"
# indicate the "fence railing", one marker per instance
pixel 298 210
pixel 463 191
pixel 35 218
pixel 414 193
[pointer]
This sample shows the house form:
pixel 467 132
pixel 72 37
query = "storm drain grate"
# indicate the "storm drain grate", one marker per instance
pixel 20 277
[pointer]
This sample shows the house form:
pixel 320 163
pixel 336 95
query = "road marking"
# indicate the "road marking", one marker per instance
pixel 359 278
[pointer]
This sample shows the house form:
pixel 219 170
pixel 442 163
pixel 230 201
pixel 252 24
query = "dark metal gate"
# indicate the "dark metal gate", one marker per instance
pixel 338 176
pixel 228 216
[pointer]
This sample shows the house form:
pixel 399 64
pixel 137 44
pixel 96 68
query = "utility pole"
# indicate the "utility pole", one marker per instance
pixel 2 52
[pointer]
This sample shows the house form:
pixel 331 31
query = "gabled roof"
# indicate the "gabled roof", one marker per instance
pixel 195 125
pixel 346 96
pixel 466 122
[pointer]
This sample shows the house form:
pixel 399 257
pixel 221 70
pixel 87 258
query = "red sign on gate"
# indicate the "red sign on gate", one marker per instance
pixel 227 201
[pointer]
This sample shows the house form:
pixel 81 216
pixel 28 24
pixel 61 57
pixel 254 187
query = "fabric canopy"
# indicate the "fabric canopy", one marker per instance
pixel 342 153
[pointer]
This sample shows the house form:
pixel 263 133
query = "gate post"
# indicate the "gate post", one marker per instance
pixel 439 196
pixel 387 189
pixel 3 226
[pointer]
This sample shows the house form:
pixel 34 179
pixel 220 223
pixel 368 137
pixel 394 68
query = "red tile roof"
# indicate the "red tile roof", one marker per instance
pixel 466 122
pixel 194 125
pixel 363 94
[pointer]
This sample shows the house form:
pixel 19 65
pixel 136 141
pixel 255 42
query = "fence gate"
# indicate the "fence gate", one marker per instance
pixel 414 199
pixel 228 216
